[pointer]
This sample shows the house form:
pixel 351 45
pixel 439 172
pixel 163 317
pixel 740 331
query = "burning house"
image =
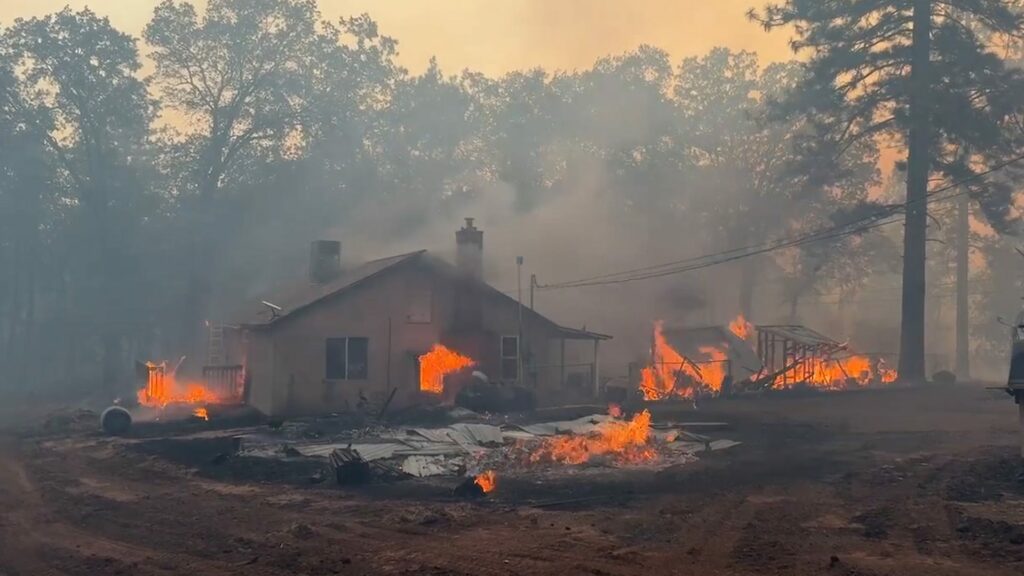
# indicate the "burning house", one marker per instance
pixel 402 329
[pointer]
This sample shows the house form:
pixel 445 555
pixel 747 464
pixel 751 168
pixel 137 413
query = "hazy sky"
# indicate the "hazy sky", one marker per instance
pixel 495 36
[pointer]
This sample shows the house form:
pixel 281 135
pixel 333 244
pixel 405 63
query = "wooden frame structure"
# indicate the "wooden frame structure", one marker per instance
pixel 791 351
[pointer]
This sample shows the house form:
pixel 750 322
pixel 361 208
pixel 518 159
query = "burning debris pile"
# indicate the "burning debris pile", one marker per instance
pixel 482 452
pixel 782 361
pixel 623 441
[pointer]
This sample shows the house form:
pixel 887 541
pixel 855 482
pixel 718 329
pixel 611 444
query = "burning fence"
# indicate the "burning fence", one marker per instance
pixel 787 356
pixel 164 388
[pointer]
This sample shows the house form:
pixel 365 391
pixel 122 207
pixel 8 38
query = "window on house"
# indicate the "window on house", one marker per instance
pixel 347 358
pixel 509 357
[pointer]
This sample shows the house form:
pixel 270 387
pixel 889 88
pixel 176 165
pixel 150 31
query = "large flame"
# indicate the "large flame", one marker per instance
pixel 626 441
pixel 741 328
pixel 668 372
pixel 713 368
pixel 487 481
pixel 838 373
pixel 673 375
pixel 438 363
pixel 163 388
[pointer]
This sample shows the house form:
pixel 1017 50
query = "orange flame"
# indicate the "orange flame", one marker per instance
pixel 672 374
pixel 201 413
pixel 626 441
pixel 614 410
pixel 163 388
pixel 487 481
pixel 741 328
pixel 662 378
pixel 885 374
pixel 714 369
pixel 438 363
pixel 839 373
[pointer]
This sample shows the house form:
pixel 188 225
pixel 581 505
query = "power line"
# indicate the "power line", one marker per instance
pixel 877 219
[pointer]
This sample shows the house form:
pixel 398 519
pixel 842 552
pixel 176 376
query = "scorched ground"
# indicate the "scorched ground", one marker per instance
pixel 866 482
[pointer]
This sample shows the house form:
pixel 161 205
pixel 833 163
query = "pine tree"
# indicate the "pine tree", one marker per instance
pixel 923 74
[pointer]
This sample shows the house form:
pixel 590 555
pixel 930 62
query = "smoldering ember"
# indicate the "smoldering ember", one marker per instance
pixel 524 287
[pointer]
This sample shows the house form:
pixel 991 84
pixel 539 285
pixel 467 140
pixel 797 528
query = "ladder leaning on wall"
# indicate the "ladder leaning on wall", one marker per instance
pixel 216 353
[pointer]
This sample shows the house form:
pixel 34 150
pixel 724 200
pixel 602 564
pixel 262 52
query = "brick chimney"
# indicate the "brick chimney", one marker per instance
pixel 469 250
pixel 324 261
pixel 469 260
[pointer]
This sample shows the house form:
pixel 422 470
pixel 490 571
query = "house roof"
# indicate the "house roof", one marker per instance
pixel 581 334
pixel 306 294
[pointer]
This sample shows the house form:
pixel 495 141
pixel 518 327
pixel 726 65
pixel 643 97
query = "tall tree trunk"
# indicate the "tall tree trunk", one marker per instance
pixel 911 364
pixel 963 354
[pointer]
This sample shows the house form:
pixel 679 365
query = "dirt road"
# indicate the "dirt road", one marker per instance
pixel 869 483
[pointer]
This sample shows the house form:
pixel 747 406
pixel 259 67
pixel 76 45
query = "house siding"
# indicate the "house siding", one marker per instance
pixel 287 365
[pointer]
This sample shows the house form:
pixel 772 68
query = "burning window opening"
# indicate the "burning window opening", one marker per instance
pixel 438 363
pixel 624 441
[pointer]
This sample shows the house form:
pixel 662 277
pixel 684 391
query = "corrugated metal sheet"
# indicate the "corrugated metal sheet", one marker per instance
pixel 800 334
pixel 441 435
pixel 368 452
pixel 480 434
pixel 579 426
pixel 423 466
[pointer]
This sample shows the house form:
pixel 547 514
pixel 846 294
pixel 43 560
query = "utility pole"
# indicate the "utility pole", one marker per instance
pixel 963 351
pixel 519 338
pixel 533 284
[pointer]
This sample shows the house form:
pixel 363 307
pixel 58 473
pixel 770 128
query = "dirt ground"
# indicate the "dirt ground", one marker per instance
pixel 862 483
